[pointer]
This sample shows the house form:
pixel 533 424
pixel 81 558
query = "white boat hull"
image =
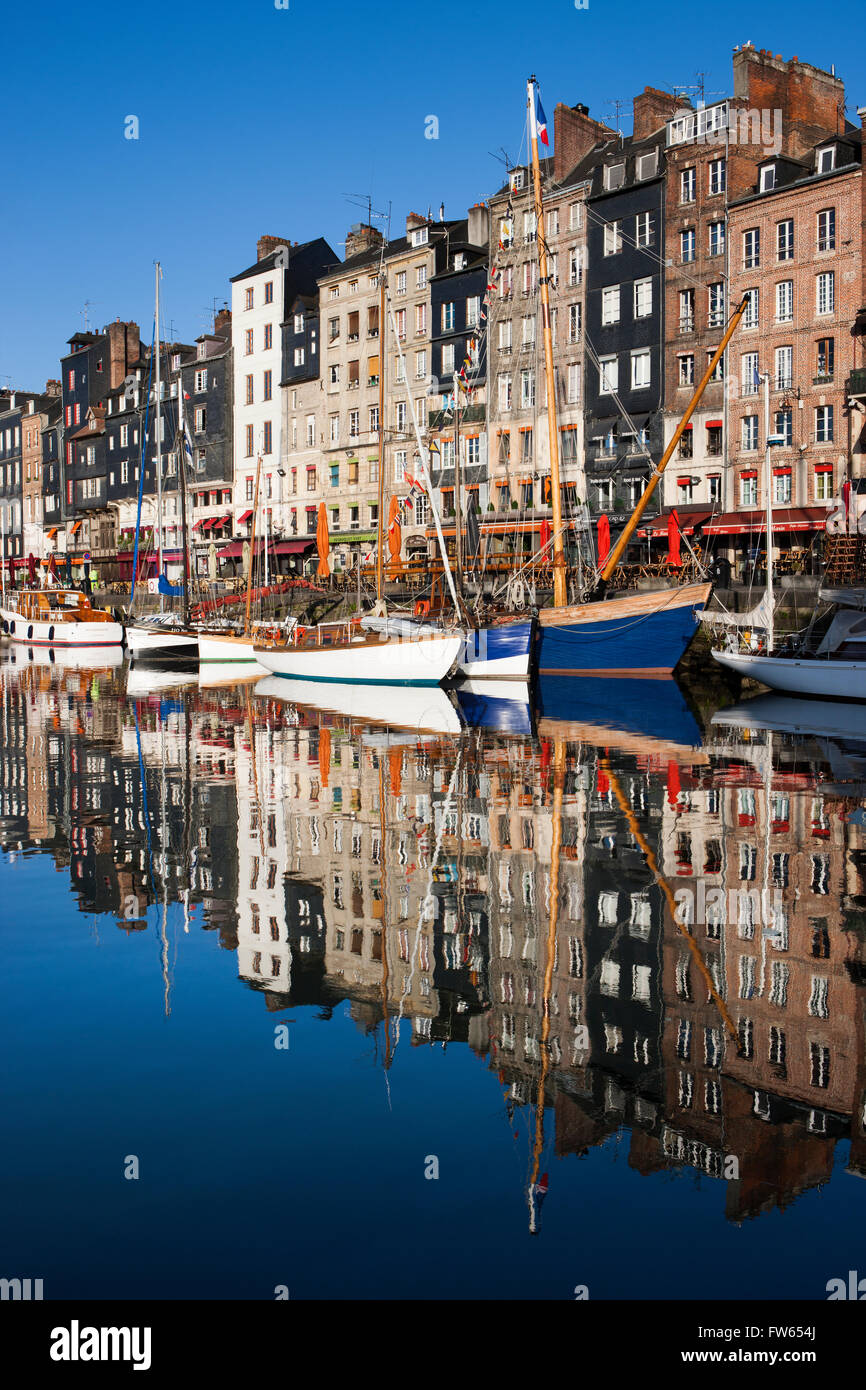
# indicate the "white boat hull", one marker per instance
pixel 215 647
pixel 154 641
pixel 417 708
pixel 423 661
pixel 833 680
pixel 60 634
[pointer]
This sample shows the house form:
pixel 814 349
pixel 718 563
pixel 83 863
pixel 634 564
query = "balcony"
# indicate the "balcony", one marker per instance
pixel 470 415
pixel 856 382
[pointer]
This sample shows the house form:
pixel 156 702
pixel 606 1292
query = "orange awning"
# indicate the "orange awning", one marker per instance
pixel 52 533
pixel 75 526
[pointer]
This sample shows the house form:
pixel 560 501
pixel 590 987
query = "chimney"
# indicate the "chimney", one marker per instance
pixel 811 101
pixel 222 323
pixel 415 220
pixel 479 225
pixel 52 386
pixel 575 133
pixel 267 245
pixel 651 109
pixel 361 237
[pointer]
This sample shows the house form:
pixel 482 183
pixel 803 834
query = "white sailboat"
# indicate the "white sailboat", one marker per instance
pixel 376 650
pixel 163 635
pixel 418 708
pixel 836 668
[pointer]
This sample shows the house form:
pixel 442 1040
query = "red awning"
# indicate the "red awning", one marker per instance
pixel 714 424
pixel 688 522
pixel 197 525
pixel 292 547
pixel 754 522
pixel 246 516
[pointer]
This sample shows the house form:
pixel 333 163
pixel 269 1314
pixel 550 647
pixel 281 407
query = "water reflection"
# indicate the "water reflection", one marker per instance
pixel 638 930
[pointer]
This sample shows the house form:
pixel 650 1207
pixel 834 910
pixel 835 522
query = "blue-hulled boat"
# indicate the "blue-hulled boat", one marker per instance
pixel 638 634
pixel 499 651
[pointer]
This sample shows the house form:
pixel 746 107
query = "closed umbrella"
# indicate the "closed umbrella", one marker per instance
pixel 603 539
pixel 544 534
pixel 395 534
pixel 324 755
pixel 323 542
pixel 395 770
pixel 674 540
pixel 31 569
pixel 473 533
pixel 211 561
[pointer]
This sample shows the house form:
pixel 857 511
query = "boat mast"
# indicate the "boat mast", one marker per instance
pixel 631 525
pixel 3 550
pixel 158 426
pixel 380 558
pixel 559 587
pixel 181 477
pixel 458 492
pixel 768 504
pixel 252 547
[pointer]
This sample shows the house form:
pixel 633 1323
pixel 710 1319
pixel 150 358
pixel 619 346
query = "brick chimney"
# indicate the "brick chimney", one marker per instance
pixel 362 237
pixel 652 108
pixel 124 348
pixel 415 220
pixel 811 101
pixel 266 245
pixel 222 323
pixel 574 134
pixel 52 387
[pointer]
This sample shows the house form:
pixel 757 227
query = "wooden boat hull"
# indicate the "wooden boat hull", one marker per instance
pixel 422 661
pixel 502 651
pixel 638 634
pixel 156 643
pixel 66 634
pixel 829 679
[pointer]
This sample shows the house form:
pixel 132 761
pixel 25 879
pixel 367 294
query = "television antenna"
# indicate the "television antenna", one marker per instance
pixel 618 104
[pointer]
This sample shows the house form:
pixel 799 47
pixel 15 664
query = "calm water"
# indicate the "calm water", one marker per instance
pixel 290 963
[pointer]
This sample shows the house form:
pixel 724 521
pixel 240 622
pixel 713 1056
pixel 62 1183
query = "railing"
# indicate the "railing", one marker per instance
pixel 856 382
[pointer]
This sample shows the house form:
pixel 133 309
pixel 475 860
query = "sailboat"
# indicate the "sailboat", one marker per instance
pixel 379 649
pixel 636 634
pixel 835 667
pixel 164 635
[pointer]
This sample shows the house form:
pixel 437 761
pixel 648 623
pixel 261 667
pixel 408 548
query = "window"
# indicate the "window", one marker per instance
pixel 687 311
pixel 420 366
pixel 573 389
pixel 716 305
pixel 782 478
pixel 268 332
pixel 575 268
pixel 400 286
pixel 334 429
pixel 200 419
pixel 826 356
pixel 248 342
pixel 299 356
pixel 249 390
pixel 643 229
pixel 785 301
pixel 718 177
pixel 400 321
pixel 374 421
pixel 354 423
pixel 825 160
pixel 610 304
pixel 640 369
pixel 447 318
pixel 608 375
pixel 646 165
pixel 716 238
pixel 249 437
pixel 201 381
pixel 575 215
pixel 686 369
pixel 447 359
pixel 400 456
pixel 419 236
pixel 751 248
pixel 823 484
pixel 785 240
pixel 267 437
pixel 825 292
pixel 267 386
pixel 750 317
pixel 714 481
pixel 827 229
pixel 749 487
pixel 612 238
pixel 248 298
pixel 824 424
pixel 400 417
pixel 311 432
pixel 768 178
pixel 527 388
pixel 574 322
pixel 687 186
pixel 749 374
pixel 687 245
pixel 528 333
pixel 643 298
pixel 749 434
pixel 473 311
pixel 784 359
pixel 614 176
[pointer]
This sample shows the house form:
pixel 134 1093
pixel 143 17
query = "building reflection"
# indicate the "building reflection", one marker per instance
pixel 412 878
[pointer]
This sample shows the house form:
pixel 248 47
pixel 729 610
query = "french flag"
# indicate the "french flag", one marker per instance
pixel 540 120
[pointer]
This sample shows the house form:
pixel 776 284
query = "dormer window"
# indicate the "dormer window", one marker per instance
pixel 460 261
pixel 825 159
pixel 647 165
pixel 201 351
pixel 614 176
pixel 768 178
pixel 516 181
pixel 175 362
pixel 419 236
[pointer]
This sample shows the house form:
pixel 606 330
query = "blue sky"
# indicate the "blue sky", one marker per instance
pixel 257 120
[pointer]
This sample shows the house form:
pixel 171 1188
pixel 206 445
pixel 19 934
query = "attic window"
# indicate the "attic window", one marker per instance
pixel 175 361
pixel 516 181
pixel 419 236
pixel 768 178
pixel 614 176
pixel 460 260
pixel 647 164
pixel 826 159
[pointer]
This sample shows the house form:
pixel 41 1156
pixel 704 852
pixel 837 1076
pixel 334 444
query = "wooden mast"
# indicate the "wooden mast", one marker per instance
pixel 252 547
pixel 631 525
pixel 560 597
